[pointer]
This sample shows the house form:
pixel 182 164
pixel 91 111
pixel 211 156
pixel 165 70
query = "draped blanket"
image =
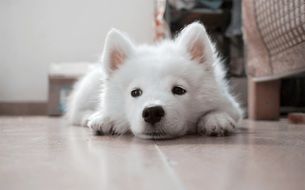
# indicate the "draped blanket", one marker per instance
pixel 274 34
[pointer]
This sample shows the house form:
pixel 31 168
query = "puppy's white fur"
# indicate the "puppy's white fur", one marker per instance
pixel 102 99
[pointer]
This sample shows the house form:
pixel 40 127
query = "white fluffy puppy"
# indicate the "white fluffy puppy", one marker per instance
pixel 159 91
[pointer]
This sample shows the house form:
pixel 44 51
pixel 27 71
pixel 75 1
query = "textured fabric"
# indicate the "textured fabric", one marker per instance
pixel 274 33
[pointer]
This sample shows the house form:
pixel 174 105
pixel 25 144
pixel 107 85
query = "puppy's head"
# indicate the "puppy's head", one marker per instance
pixel 158 89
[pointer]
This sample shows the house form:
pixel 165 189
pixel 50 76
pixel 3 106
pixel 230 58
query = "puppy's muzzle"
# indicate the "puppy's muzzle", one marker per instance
pixel 153 114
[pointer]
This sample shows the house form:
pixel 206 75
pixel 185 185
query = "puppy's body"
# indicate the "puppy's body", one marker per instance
pixel 159 91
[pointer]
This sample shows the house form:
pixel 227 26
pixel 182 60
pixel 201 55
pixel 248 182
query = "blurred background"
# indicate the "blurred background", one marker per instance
pixel 35 34
pixel 47 45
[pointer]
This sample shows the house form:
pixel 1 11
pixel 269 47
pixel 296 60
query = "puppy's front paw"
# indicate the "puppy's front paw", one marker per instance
pixel 216 124
pixel 98 123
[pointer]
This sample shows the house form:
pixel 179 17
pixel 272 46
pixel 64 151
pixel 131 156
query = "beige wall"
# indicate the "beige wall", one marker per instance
pixel 35 33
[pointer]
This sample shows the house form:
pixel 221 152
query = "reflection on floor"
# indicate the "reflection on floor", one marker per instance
pixel 45 153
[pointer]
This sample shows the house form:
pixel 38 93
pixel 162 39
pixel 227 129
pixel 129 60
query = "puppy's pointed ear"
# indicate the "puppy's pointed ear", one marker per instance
pixel 117 49
pixel 196 42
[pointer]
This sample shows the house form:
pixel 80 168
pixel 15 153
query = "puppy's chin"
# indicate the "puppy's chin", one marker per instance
pixel 156 132
pixel 155 136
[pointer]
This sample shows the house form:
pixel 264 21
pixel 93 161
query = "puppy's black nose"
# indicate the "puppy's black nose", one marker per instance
pixel 153 114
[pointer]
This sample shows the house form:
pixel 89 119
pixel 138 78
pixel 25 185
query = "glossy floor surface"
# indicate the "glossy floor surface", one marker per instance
pixel 45 153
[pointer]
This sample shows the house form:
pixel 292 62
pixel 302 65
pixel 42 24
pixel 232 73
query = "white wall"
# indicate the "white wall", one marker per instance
pixel 34 33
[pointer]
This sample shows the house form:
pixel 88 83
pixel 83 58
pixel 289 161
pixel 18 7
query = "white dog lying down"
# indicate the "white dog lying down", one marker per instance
pixel 160 91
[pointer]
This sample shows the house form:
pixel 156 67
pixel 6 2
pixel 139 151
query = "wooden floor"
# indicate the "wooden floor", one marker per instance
pixel 45 153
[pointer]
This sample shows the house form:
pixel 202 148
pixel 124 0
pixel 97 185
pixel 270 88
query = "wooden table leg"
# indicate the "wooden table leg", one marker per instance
pixel 264 100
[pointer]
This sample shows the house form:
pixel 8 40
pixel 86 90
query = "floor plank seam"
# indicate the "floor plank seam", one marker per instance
pixel 170 169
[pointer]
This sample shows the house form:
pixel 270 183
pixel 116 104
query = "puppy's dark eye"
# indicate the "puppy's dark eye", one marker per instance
pixel 177 90
pixel 136 92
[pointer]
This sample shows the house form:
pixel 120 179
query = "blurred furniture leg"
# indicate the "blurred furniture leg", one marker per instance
pixel 62 77
pixel 264 100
